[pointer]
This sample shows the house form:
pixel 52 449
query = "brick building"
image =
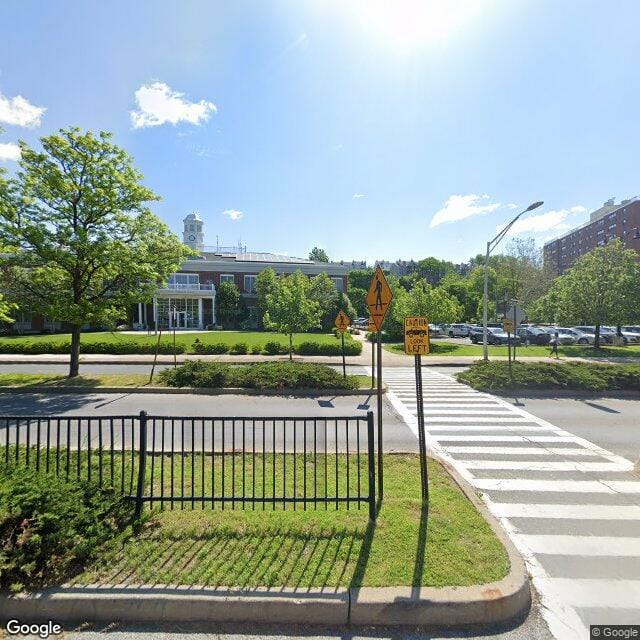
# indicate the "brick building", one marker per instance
pixel 188 301
pixel 610 221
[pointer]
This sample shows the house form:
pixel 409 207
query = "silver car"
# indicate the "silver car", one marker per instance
pixel 565 336
pixel 628 337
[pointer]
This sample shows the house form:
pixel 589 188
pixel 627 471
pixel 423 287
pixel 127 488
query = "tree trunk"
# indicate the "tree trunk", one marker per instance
pixel 74 362
pixel 291 346
pixel 596 343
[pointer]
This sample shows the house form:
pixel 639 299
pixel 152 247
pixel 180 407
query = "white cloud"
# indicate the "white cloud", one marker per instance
pixel 20 112
pixel 511 205
pixel 357 196
pixel 554 221
pixel 159 104
pixel 233 214
pixel 460 207
pixel 9 151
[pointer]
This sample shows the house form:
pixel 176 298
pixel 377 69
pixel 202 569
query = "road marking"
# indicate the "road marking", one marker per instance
pixel 561 465
pixel 481 427
pixel 568 511
pixel 582 545
pixel 594 592
pixel 505 439
pixel 522 451
pixel 562 486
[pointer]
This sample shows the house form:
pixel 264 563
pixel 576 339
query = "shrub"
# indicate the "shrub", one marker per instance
pixel 49 526
pixel 210 349
pixel 240 348
pixel 275 348
pixel 116 348
pixel 196 373
pixel 552 375
pixel 263 375
pixel 309 348
pixel 256 349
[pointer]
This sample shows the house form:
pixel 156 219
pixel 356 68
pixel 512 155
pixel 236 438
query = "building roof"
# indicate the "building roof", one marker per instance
pixel 253 256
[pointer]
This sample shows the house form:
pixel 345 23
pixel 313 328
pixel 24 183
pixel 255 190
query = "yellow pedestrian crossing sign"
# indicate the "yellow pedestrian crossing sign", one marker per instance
pixel 379 298
pixel 342 322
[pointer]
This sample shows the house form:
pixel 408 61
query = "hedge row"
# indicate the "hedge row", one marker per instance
pixel 262 375
pixel 308 348
pixel 586 376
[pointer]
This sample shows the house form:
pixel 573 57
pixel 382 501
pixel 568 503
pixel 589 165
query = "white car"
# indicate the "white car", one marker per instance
pixel 458 330
pixel 573 336
pixel 628 337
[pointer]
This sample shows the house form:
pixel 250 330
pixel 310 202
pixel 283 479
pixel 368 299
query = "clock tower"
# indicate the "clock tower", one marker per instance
pixel 192 234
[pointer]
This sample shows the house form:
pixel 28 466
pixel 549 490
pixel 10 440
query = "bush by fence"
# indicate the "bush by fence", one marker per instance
pixel 50 525
pixel 120 347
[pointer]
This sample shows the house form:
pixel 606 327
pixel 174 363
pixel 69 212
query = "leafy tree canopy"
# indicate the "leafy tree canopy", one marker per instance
pixel 318 255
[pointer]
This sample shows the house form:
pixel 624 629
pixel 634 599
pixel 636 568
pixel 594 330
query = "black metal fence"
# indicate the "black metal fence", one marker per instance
pixel 205 462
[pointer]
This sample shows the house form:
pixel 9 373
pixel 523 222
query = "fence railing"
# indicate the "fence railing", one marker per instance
pixel 205 462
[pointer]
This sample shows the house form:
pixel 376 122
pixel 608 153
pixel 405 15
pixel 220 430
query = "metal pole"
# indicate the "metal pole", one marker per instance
pixel 379 376
pixel 155 357
pixel 485 307
pixel 371 464
pixel 142 462
pixel 422 439
pixel 175 364
pixel 344 366
pixel 514 331
pixel 373 361
pixel 509 352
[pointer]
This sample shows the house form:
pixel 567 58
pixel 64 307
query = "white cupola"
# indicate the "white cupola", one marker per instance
pixel 192 234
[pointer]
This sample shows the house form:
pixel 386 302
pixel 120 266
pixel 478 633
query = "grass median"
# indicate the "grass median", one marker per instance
pixel 453 546
pixel 441 348
pixel 579 376
pixel 331 380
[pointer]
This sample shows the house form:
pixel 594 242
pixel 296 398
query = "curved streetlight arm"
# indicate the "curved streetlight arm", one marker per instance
pixel 491 245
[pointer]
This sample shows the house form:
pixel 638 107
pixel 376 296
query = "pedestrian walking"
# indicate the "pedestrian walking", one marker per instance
pixel 554 345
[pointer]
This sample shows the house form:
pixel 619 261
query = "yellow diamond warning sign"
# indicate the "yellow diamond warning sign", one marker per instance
pixel 379 298
pixel 342 321
pixel 416 336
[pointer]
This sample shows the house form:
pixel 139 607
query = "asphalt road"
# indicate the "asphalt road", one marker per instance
pixel 611 423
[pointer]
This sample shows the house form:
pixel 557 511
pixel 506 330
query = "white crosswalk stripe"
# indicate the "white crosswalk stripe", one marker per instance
pixel 540 466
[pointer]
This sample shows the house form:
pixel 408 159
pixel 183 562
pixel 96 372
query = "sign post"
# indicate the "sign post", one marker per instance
pixel 342 324
pixel 372 329
pixel 507 325
pixel 378 299
pixel 516 315
pixel 416 343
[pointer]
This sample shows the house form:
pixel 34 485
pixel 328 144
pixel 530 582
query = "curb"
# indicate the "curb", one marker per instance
pixel 497 602
pixel 492 603
pixel 303 393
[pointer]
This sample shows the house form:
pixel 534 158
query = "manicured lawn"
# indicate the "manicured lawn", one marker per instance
pixel 450 349
pixel 250 548
pixel 250 338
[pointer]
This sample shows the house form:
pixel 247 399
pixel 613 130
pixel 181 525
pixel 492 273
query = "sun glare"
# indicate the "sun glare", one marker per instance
pixel 406 25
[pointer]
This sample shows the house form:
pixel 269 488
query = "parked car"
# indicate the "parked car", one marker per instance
pixel 475 332
pixel 628 337
pixel 632 329
pixel 499 336
pixel 605 337
pixel 576 336
pixel 361 323
pixel 533 335
pixel 459 330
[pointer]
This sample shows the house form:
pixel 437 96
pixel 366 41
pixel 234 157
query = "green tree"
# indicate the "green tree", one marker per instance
pixel 602 287
pixel 323 291
pixel 5 197
pixel 89 245
pixel 358 300
pixel 318 255
pixel 265 282
pixel 360 278
pixel 433 270
pixel 424 300
pixel 228 302
pixel 289 307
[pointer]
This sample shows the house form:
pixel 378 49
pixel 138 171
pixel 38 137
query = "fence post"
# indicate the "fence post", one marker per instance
pixel 142 463
pixel 371 461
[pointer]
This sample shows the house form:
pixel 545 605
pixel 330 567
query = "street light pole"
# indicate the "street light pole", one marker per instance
pixel 491 245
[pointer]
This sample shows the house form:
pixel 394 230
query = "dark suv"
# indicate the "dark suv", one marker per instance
pixel 533 335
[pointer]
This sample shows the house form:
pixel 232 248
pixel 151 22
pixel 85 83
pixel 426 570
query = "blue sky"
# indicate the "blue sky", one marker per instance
pixel 396 129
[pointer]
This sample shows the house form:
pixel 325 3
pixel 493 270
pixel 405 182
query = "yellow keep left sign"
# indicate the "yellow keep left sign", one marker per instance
pixel 416 336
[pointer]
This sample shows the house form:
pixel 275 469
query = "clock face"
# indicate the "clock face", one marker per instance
pixel 192 237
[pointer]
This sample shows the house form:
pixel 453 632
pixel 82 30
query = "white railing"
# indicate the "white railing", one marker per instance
pixel 174 286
